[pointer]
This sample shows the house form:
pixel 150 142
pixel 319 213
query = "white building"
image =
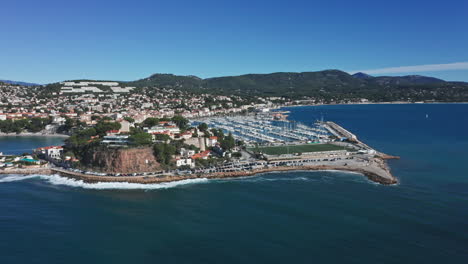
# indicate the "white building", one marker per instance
pixel 185 162
pixel 161 129
pixel 124 126
pixel 115 140
pixel 52 152
pixel 90 83
pixel 186 135
pixel 121 90
pixel 59 120
pixel 211 141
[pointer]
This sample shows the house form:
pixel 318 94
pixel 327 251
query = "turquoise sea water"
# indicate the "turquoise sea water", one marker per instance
pixel 296 217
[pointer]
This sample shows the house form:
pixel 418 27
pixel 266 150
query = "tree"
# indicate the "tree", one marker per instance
pixel 87 133
pixel 181 122
pixel 69 124
pixel 151 121
pixel 162 137
pixel 228 142
pixel 203 127
pixel 236 155
pixel 164 153
pixel 140 139
pixel 102 127
pixel 129 119
pixel 37 124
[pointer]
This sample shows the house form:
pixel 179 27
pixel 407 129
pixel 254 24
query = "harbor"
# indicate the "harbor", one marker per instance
pixel 270 145
pixel 266 128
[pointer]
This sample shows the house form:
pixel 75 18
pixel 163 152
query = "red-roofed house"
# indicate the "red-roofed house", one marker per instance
pixel 162 133
pixel 202 155
pixel 186 135
pixel 51 152
pixel 112 132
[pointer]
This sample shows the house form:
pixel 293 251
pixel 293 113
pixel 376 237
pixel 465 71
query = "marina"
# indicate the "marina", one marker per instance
pixel 264 129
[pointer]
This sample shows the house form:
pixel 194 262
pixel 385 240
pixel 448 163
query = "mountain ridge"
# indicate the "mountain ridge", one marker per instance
pixel 20 83
pixel 328 85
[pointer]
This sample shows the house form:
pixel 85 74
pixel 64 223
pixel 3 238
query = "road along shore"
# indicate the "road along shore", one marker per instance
pixel 376 171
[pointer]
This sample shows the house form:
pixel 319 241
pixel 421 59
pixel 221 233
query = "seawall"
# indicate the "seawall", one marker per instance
pixel 373 173
pixel 30 171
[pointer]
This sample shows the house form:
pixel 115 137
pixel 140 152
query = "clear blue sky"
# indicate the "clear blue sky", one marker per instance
pixel 51 40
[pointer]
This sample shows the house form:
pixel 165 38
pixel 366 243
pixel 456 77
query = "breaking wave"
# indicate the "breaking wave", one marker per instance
pixel 256 178
pixel 58 180
pixel 14 177
pixel 262 177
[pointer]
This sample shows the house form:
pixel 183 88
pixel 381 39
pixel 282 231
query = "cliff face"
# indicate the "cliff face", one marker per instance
pixel 123 160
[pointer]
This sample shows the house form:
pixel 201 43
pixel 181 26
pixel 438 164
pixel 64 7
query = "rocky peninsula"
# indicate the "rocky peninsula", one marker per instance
pixel 375 170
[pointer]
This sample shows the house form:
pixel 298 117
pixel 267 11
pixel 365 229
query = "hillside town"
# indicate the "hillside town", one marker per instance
pixel 85 101
pixel 119 131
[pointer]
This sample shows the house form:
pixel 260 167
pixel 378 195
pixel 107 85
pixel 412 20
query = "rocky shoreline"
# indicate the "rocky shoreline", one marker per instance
pixel 377 172
pixel 382 177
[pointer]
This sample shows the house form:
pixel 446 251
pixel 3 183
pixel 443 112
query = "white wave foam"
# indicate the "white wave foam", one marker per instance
pixel 14 177
pixel 58 180
pixel 261 178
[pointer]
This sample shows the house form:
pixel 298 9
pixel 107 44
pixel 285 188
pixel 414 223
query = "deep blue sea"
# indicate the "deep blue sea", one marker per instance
pixel 17 145
pixel 294 217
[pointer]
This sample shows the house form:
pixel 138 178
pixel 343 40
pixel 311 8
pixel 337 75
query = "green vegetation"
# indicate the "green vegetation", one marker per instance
pixel 30 125
pixel 80 143
pixel 103 126
pixel 328 86
pixel 209 162
pixel 203 127
pixel 151 121
pixel 181 122
pixel 228 142
pixel 164 153
pixel 71 124
pixel 278 150
pixel 129 119
pixel 140 139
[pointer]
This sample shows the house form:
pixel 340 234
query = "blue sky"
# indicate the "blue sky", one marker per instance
pixel 50 40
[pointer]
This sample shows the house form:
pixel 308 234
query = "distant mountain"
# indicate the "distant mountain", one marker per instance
pixel 361 75
pixel 274 84
pixel 328 85
pixel 397 80
pixel 289 83
pixel 407 80
pixel 20 83
pixel 168 80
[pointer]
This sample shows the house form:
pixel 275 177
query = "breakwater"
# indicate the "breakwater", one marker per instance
pixel 377 172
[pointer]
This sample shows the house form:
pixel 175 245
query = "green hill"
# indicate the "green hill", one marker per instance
pixel 328 85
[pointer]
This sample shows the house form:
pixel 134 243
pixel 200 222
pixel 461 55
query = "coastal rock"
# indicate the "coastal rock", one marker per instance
pixel 123 160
